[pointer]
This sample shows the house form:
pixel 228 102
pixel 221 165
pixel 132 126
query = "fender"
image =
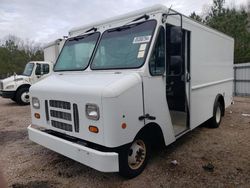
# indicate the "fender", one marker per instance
pixel 22 86
pixel 154 132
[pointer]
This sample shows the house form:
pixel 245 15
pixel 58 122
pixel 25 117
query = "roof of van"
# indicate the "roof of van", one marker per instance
pixel 149 10
pixel 152 9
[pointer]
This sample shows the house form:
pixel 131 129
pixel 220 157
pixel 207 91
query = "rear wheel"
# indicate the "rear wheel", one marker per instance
pixel 133 158
pixel 22 96
pixel 217 116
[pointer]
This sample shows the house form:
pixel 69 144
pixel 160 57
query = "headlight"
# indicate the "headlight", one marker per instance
pixel 10 87
pixel 92 111
pixel 35 103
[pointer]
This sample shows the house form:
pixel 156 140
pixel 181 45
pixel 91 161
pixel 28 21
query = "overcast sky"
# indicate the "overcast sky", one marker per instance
pixel 46 20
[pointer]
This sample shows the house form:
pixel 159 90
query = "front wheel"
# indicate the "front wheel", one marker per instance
pixel 14 99
pixel 133 158
pixel 22 96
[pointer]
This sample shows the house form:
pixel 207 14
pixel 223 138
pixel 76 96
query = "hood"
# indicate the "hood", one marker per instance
pixel 80 89
pixel 89 83
pixel 13 78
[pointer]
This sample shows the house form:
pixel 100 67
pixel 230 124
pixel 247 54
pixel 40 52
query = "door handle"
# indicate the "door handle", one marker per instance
pixel 188 77
pixel 146 116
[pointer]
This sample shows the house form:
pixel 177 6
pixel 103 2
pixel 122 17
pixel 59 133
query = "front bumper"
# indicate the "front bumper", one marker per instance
pixel 8 94
pixel 101 161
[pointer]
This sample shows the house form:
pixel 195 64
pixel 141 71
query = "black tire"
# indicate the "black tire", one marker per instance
pixel 14 99
pixel 129 169
pixel 20 96
pixel 217 116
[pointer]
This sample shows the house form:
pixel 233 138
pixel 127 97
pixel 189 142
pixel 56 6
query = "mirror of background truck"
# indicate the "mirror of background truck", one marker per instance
pixel 38 70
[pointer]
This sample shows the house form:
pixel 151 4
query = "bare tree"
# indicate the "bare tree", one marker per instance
pixel 29 46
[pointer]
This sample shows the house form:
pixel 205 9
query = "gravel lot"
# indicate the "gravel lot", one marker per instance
pixel 227 149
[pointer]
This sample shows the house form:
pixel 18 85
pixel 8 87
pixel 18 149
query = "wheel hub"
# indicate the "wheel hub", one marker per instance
pixel 137 154
pixel 218 115
pixel 25 97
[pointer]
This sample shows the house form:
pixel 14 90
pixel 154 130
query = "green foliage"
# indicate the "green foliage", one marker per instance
pixel 232 22
pixel 196 17
pixel 13 57
pixel 217 9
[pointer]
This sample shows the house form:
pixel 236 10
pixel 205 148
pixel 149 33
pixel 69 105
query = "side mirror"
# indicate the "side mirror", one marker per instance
pixel 176 34
pixel 38 71
pixel 175 65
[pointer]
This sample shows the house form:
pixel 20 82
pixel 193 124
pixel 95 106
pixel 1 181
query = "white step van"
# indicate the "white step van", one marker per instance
pixel 124 85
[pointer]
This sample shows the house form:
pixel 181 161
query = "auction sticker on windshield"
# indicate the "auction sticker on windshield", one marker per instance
pixel 141 39
pixel 140 54
pixel 142 47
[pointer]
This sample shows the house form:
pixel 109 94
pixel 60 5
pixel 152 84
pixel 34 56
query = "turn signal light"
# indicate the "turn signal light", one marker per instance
pixel 37 115
pixel 93 129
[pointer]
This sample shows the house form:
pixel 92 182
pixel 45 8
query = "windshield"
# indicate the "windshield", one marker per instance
pixel 124 47
pixel 76 53
pixel 28 69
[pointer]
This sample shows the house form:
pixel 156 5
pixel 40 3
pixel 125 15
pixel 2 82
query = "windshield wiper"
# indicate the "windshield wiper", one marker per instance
pixel 80 37
pixel 124 27
pixel 119 29
pixel 91 29
pixel 145 16
pixel 77 38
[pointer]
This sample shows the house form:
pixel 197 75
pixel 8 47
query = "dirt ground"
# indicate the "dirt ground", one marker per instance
pixel 227 149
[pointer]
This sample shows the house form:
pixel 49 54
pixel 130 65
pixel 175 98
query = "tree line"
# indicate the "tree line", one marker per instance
pixel 231 21
pixel 15 53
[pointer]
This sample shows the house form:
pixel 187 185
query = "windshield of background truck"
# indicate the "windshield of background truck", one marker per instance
pixel 76 53
pixel 28 69
pixel 124 47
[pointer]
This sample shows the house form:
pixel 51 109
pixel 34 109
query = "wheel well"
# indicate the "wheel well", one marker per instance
pixel 23 86
pixel 153 132
pixel 219 98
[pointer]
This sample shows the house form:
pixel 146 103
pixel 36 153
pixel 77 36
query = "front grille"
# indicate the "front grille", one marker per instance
pixel 76 118
pixel 46 110
pixel 60 115
pixel 1 85
pixel 60 125
pixel 59 104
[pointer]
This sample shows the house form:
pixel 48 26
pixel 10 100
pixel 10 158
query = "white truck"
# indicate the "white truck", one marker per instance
pixel 17 87
pixel 124 85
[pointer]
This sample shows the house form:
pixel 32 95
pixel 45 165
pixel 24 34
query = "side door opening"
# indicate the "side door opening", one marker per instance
pixel 178 76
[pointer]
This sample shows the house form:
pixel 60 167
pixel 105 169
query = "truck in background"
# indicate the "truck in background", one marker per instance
pixel 51 50
pixel 124 85
pixel 16 87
